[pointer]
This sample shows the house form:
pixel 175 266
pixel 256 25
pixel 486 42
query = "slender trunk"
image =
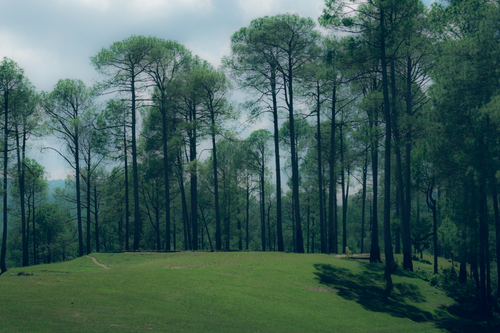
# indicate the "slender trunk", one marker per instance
pixel 308 219
pixel 332 199
pixel 497 229
pixel 175 237
pixel 35 254
pixel 78 196
pixel 295 162
pixel 312 237
pixel 482 245
pixel 262 206
pixel 88 205
pixel 206 227
pixel 127 204
pixel 157 219
pixel 228 220
pixel 240 240
pixel 279 221
pixel 487 258
pixel 3 267
pixel 434 230
pixel 407 234
pixel 28 219
pixel 20 172
pixel 137 212
pixel 324 245
pixel 185 229
pixel 247 212
pixel 375 247
pixel 462 276
pixel 185 215
pixel 194 172
pixel 363 201
pixel 218 236
pixel 96 219
pixel 406 238
pixel 397 231
pixel 344 196
pixel 269 228
pixel 389 259
pixel 166 175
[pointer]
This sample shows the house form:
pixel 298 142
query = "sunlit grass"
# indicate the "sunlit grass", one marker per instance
pixel 217 292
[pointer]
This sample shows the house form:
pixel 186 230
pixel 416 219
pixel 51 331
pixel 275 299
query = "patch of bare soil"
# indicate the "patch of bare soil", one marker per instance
pixel 98 263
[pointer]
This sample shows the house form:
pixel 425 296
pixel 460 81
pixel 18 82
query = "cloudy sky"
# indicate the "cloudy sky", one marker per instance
pixel 53 39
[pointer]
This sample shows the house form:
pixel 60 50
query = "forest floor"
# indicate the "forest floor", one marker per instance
pixel 224 292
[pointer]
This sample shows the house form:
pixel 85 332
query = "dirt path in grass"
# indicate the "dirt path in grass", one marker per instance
pixel 98 263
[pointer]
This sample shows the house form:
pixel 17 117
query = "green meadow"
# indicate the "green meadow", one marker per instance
pixel 222 292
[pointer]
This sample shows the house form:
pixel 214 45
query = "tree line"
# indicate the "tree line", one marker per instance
pixel 393 83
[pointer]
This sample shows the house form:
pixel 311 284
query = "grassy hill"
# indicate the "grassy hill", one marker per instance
pixel 219 292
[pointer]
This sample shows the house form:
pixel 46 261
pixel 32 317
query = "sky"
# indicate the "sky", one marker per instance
pixel 54 39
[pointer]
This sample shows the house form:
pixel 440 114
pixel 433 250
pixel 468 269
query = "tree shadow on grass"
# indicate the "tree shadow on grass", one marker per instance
pixel 368 290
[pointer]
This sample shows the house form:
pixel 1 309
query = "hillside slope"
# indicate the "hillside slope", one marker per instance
pixel 217 292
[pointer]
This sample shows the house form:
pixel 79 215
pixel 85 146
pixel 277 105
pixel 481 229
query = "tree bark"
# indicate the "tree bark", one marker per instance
pixel 375 247
pixel 497 229
pixel 363 201
pixel 324 245
pixel 389 259
pixel 218 236
pixel 194 170
pixel 127 203
pixel 3 267
pixel 279 211
pixel 332 199
pixel 166 176
pixel 137 213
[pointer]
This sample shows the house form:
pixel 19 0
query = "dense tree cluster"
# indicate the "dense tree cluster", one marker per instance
pixel 159 165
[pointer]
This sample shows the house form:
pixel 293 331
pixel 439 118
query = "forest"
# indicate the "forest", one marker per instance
pixel 381 135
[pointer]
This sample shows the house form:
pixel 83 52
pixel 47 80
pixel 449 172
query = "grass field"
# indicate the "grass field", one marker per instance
pixel 221 292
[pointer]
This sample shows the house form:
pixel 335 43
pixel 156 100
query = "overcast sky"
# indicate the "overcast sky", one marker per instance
pixel 54 39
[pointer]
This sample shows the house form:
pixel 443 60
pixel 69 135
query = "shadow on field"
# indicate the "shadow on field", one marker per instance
pixel 368 289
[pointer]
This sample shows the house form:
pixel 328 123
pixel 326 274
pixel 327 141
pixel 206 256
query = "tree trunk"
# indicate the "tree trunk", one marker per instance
pixel 166 176
pixel 324 245
pixel 482 246
pixel 127 203
pixel 375 248
pixel 137 213
pixel 218 236
pixel 88 205
pixel 20 171
pixel 247 212
pixel 96 219
pixel 389 259
pixel 332 199
pixel 344 195
pixel 497 229
pixel 363 201
pixel 3 267
pixel 279 221
pixel 408 169
pixel 262 206
pixel 295 163
pixel 194 171
pixel 397 233
pixel 185 215
pixel 308 217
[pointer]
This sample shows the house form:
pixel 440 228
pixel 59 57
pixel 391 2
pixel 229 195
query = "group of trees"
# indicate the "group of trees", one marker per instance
pixel 414 83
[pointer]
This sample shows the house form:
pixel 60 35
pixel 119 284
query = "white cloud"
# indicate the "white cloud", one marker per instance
pixel 101 5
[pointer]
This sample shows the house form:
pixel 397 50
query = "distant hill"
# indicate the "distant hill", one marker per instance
pixel 52 186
